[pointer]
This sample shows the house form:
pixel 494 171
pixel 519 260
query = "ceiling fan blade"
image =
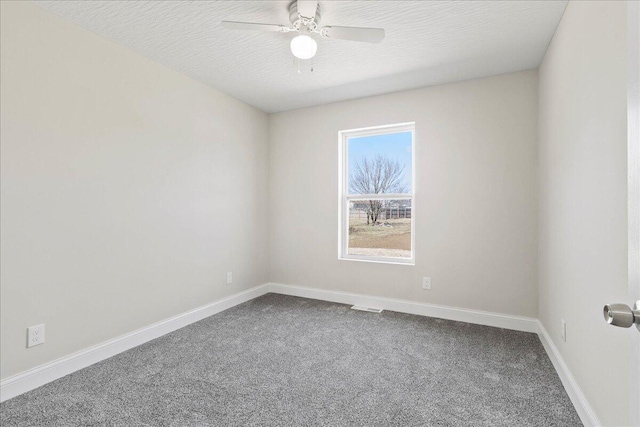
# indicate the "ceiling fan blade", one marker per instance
pixel 232 25
pixel 307 8
pixel 361 34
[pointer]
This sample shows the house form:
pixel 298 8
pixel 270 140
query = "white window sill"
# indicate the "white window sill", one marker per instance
pixel 377 260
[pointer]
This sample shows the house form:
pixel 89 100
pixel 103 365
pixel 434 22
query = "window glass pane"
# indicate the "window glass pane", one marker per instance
pixel 380 228
pixel 380 164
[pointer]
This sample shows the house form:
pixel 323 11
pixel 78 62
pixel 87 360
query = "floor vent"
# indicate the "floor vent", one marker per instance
pixel 369 309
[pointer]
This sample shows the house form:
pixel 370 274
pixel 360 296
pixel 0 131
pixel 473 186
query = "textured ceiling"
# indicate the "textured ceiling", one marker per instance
pixel 426 43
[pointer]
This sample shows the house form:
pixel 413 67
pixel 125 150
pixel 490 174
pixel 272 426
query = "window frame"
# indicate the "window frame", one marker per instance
pixel 344 197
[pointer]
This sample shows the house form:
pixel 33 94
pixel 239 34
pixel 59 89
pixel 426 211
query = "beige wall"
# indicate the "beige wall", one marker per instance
pixel 475 210
pixel 128 190
pixel 583 199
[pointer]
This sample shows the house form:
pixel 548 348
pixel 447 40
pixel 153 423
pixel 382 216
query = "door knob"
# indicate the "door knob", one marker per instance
pixel 622 315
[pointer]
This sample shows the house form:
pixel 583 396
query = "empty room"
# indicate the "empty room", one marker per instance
pixel 320 213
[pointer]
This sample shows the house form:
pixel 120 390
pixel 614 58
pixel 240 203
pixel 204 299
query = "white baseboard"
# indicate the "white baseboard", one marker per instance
pixel 43 374
pixel 584 409
pixel 517 323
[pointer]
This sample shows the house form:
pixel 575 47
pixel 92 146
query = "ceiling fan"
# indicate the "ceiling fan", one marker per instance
pixel 305 17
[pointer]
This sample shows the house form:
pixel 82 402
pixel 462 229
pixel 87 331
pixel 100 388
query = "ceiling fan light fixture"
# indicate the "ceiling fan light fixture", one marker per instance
pixel 303 47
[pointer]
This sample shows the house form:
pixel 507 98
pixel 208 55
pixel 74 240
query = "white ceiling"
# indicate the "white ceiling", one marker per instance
pixel 427 42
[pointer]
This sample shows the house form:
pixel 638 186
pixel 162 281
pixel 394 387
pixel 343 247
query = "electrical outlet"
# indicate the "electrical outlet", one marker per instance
pixel 426 283
pixel 229 278
pixel 563 330
pixel 35 335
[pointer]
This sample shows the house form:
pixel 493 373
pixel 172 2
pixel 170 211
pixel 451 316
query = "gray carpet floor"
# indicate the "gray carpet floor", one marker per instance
pixel 285 361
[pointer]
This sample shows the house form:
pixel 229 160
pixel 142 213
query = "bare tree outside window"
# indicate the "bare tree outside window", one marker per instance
pixel 376 175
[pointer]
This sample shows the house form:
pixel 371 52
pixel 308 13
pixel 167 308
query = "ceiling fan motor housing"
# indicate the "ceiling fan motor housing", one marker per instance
pixel 297 20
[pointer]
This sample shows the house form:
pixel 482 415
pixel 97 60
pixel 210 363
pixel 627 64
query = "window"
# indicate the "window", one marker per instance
pixel 377 208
